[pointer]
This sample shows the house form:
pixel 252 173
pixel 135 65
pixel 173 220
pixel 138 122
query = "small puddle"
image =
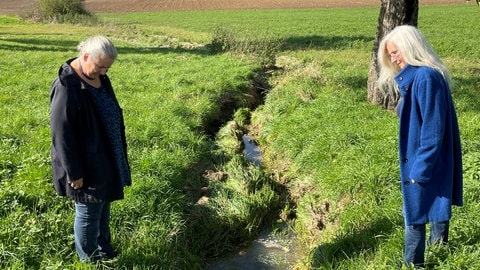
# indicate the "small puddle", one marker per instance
pixel 272 250
pixel 252 151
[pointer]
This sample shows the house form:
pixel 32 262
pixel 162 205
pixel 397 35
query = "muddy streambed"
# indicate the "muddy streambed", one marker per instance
pixel 273 249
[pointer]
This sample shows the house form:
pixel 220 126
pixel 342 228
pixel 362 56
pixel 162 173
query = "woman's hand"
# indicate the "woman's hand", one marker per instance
pixel 76 184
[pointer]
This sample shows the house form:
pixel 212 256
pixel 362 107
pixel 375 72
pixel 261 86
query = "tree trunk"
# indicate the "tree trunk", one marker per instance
pixel 392 14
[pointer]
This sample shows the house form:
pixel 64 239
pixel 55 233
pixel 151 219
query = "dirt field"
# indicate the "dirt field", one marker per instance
pixel 99 6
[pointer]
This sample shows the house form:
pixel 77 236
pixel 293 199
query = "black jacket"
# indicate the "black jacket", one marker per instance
pixel 80 146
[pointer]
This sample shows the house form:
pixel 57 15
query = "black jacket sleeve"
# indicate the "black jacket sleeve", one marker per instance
pixel 64 117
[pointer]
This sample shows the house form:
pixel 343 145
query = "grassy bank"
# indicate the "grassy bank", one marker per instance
pixel 174 100
pixel 194 197
pixel 338 154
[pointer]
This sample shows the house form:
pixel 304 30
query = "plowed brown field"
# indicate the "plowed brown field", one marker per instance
pixel 99 6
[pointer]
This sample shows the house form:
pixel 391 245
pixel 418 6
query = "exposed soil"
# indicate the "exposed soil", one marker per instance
pixel 101 6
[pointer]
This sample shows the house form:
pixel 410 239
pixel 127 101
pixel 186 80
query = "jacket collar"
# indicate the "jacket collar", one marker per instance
pixel 405 77
pixel 68 76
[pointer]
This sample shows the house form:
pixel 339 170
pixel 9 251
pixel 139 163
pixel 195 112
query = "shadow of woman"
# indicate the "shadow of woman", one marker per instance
pixel 351 245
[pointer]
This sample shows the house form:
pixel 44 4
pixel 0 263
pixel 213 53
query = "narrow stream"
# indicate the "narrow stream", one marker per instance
pixel 268 252
pixel 271 250
pixel 252 151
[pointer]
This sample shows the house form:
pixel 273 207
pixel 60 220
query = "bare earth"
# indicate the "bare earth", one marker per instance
pixel 100 6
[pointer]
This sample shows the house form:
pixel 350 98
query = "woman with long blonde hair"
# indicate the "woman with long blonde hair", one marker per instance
pixel 429 138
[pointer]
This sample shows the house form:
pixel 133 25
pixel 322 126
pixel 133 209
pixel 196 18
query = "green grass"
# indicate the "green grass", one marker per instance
pixel 342 152
pixel 171 99
pixel 332 151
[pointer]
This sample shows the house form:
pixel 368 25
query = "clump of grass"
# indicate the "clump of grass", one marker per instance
pixel 262 47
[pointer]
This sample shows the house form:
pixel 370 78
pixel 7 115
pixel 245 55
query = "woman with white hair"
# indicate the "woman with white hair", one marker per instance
pixel 429 139
pixel 89 150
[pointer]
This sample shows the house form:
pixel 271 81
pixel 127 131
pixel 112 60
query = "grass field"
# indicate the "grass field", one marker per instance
pixel 194 197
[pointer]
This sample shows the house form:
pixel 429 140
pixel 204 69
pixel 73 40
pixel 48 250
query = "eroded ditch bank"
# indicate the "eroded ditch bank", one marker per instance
pixel 274 245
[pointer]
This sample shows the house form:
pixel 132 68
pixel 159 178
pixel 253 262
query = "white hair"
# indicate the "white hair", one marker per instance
pixel 416 51
pixel 98 46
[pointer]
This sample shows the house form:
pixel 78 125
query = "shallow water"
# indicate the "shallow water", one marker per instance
pixel 252 151
pixel 270 251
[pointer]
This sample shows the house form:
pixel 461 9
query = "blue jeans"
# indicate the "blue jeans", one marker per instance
pixel 92 230
pixel 415 237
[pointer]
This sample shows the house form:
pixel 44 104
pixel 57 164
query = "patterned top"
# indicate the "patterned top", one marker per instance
pixel 111 116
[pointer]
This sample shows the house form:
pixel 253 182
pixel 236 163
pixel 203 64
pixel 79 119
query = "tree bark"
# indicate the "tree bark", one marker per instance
pixel 392 14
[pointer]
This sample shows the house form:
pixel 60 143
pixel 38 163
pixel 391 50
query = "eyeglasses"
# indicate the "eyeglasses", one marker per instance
pixel 394 54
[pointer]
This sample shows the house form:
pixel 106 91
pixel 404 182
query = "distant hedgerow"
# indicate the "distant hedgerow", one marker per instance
pixel 63 11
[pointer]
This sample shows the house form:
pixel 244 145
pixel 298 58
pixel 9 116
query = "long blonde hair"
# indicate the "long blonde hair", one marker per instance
pixel 416 51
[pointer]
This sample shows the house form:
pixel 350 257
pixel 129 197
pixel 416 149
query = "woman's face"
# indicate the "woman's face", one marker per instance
pixel 395 55
pixel 97 66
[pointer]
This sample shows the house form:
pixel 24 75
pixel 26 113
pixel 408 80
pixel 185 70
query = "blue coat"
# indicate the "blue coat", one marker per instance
pixel 429 147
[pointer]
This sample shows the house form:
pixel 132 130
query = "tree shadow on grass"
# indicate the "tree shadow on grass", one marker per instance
pixel 24 43
pixel 324 42
pixel 469 94
pixel 48 43
pixel 351 245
